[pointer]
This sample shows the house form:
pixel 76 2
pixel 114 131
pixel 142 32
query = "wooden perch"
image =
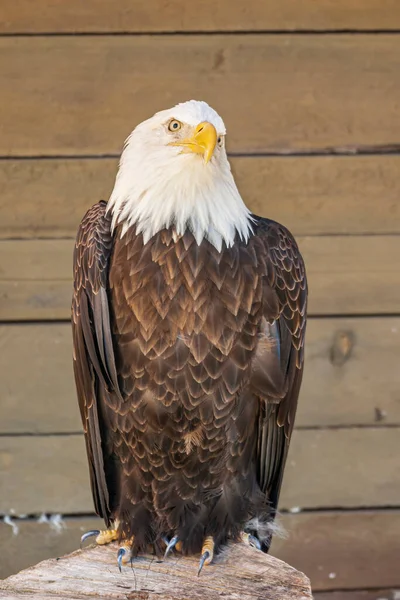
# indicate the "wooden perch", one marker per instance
pixel 240 573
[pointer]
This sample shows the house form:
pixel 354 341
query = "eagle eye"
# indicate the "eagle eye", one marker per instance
pixel 174 125
pixel 220 141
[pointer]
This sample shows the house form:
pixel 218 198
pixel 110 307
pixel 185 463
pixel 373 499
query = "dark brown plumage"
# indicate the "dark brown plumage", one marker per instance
pixel 188 364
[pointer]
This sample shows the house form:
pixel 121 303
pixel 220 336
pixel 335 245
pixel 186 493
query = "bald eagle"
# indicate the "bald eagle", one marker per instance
pixel 188 320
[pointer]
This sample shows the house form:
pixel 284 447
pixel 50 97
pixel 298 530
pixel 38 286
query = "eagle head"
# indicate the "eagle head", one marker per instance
pixel 174 172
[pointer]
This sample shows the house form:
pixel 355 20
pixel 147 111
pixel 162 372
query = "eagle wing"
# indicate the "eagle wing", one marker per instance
pixel 277 374
pixel 94 361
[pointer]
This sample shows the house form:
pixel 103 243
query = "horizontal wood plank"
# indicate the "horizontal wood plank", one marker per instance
pixel 347 275
pixel 343 550
pixel 347 556
pixel 342 468
pixel 328 468
pixel 83 95
pixel 52 468
pixel 32 300
pixel 205 15
pixel 362 389
pixel 44 399
pixel 310 195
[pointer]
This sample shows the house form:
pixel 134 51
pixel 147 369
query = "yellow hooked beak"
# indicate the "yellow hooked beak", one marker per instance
pixel 202 142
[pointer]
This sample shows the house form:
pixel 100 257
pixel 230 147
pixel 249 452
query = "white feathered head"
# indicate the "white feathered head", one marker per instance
pixel 174 172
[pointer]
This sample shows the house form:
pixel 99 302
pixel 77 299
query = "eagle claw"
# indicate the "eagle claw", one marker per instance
pixel 205 556
pixel 88 534
pixel 120 556
pixel 207 553
pixel 171 544
pixel 251 540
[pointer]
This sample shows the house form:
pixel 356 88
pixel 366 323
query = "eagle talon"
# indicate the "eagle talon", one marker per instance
pixel 207 553
pixel 255 542
pixel 251 540
pixel 204 557
pixel 102 537
pixel 88 534
pixel 171 544
pixel 120 556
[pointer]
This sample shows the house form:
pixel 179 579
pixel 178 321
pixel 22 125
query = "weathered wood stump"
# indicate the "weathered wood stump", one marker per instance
pixel 240 573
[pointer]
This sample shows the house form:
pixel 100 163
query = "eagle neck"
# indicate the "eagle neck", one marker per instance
pixel 200 199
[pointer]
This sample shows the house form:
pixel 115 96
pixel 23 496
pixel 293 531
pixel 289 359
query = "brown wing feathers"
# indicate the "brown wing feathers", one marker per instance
pixel 285 290
pixel 94 363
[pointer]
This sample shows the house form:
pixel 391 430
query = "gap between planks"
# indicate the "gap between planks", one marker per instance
pixel 130 17
pixel 196 32
pixel 346 151
pixel 15 434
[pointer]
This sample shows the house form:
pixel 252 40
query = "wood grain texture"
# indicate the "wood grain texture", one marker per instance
pixel 342 468
pixel 343 550
pixel 352 275
pixel 241 572
pixel 83 95
pixel 310 195
pixel 52 468
pixel 32 300
pixel 204 15
pixel 364 463
pixel 359 387
pixel 319 543
pixel 347 275
pixel 38 393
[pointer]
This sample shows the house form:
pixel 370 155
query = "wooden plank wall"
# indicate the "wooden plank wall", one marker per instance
pixel 310 95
